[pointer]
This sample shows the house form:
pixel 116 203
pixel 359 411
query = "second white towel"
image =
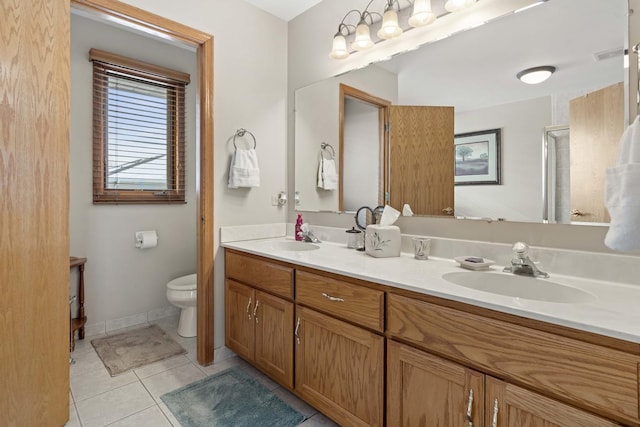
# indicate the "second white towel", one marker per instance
pixel 327 174
pixel 244 170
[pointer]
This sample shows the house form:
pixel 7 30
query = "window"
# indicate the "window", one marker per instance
pixel 138 131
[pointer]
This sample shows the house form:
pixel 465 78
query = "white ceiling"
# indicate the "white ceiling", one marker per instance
pixel 284 9
pixel 478 68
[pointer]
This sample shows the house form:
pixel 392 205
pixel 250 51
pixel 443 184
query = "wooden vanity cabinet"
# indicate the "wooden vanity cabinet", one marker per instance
pixel 339 359
pixel 571 373
pixel 259 324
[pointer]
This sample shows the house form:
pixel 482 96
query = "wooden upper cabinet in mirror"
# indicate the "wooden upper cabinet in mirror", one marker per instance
pixel 474 73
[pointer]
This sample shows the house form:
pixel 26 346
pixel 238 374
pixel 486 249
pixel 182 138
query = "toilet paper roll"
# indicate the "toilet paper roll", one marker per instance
pixel 146 239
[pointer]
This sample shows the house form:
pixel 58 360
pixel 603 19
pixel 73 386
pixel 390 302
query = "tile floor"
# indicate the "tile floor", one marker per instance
pixel 133 398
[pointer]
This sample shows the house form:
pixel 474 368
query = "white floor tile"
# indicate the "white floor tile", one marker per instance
pixel 73 417
pixel 96 382
pixel 165 410
pixel 86 361
pixel 85 344
pixel 161 366
pixel 172 379
pixel 152 417
pixel 114 405
pixel 221 366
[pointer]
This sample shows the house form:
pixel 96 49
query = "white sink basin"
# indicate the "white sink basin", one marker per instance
pixel 294 246
pixel 520 287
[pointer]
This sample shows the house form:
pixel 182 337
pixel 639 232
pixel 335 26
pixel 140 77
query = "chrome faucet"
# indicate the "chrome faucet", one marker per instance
pixel 521 263
pixel 307 235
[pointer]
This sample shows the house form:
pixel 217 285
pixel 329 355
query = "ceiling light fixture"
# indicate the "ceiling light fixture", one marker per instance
pixel 536 75
pixel 421 15
pixel 458 5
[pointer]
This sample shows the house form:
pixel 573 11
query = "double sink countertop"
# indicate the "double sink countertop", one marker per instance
pixel 612 309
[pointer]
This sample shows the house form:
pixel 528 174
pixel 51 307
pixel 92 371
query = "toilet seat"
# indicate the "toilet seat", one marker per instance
pixel 185 283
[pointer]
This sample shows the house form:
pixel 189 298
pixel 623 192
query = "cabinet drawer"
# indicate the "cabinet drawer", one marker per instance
pixel 264 275
pixel 355 303
pixel 588 375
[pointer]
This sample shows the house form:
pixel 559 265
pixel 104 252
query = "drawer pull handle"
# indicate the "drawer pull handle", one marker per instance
pixel 494 422
pixel 330 298
pixel 296 331
pixel 255 310
pixel 469 409
pixel 248 307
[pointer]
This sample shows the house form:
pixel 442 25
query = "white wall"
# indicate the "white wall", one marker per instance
pixel 309 43
pixel 121 280
pixel 519 196
pixel 250 80
pixel 317 115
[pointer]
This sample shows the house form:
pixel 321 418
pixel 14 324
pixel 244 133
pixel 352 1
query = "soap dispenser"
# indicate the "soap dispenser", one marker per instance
pixel 299 223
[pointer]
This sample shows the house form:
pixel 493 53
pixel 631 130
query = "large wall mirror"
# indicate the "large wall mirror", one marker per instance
pixel 555 138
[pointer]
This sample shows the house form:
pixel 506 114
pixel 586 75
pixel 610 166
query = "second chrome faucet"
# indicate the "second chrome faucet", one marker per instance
pixel 521 264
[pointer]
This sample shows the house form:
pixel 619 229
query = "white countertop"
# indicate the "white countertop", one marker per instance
pixel 614 312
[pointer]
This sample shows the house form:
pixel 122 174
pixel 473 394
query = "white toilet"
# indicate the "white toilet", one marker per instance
pixel 181 292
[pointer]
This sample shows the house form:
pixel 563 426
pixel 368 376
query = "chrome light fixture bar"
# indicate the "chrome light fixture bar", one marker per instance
pixel 422 15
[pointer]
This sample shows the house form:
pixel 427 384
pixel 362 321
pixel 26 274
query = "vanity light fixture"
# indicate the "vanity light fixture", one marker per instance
pixel 536 75
pixel 422 14
pixel 458 5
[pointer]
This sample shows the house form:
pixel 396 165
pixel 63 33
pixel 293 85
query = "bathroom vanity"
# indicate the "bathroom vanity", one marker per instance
pixel 388 342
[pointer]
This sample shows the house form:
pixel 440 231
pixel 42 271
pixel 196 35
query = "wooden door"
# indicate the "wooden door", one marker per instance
pixel 596 123
pixel 518 407
pixel 273 319
pixel 428 391
pixel 239 324
pixel 340 368
pixel 34 213
pixel 421 162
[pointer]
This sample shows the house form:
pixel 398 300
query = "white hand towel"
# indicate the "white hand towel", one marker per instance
pixel 244 170
pixel 327 174
pixel 622 193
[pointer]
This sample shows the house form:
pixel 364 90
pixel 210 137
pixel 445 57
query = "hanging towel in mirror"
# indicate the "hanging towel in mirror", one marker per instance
pixel 622 193
pixel 327 174
pixel 244 170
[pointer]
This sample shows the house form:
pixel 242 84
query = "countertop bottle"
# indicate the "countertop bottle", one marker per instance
pixel 298 230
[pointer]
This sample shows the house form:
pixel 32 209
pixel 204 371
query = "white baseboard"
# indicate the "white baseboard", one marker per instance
pixel 100 328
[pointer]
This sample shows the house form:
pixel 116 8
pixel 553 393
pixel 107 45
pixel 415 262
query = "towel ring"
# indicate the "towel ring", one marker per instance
pixel 325 146
pixel 240 133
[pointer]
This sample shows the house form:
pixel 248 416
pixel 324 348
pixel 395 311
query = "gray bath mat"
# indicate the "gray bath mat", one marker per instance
pixel 138 347
pixel 230 398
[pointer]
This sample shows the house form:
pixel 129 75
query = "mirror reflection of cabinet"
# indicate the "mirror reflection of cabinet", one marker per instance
pixel 421 159
pixel 596 123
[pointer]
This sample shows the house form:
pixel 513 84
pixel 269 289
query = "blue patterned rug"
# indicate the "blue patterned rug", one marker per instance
pixel 229 398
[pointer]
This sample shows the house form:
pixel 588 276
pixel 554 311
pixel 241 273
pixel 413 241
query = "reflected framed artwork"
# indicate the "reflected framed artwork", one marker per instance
pixel 477 157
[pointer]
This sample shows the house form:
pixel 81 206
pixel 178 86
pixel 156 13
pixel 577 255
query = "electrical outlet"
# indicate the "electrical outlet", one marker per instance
pixel 274 200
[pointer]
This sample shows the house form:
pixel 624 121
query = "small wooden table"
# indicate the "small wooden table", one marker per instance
pixel 77 324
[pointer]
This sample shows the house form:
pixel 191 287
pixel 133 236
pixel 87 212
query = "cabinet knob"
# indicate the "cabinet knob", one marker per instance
pixel 330 298
pixel 448 211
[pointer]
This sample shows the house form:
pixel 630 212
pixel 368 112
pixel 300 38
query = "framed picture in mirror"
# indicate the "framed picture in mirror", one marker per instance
pixel 477 158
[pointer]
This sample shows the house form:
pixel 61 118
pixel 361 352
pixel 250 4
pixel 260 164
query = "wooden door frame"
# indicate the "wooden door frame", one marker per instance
pixel 383 119
pixel 150 23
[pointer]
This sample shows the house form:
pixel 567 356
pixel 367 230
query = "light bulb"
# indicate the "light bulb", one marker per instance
pixel 422 13
pixel 390 27
pixel 363 38
pixel 457 5
pixel 339 50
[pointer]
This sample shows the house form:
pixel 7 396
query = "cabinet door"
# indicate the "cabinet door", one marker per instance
pixel 425 390
pixel 239 325
pixel 509 405
pixel 339 368
pixel 273 319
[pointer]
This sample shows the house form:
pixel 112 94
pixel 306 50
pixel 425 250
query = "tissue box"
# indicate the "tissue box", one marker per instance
pixel 382 241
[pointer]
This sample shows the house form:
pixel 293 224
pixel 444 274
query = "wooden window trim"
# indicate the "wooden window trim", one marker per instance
pixel 174 81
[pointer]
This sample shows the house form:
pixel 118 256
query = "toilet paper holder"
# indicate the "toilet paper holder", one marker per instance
pixel 146 239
